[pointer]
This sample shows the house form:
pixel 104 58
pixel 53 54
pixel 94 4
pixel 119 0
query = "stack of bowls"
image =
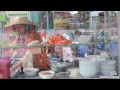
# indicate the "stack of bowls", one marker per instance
pixel 98 58
pixel 108 67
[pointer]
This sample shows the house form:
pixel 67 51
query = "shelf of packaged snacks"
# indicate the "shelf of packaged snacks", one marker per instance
pixel 48 45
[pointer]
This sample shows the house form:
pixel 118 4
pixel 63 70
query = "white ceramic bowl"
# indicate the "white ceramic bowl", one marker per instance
pixel 108 72
pixel 108 62
pixel 108 66
pixel 99 60
pixel 46 74
pixel 30 71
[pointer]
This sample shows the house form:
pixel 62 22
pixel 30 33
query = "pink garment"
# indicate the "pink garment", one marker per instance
pixel 22 42
pixel 4 68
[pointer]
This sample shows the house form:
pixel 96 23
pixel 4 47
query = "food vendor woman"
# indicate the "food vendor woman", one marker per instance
pixel 81 50
pixel 34 56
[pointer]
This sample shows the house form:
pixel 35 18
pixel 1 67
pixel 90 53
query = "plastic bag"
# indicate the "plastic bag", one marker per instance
pixel 67 54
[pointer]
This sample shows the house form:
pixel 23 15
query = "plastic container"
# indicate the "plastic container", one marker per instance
pixel 87 67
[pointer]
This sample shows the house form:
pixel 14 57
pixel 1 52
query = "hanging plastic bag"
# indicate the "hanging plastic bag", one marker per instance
pixel 67 54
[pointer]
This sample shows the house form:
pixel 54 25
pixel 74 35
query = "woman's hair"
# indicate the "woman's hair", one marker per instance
pixel 77 32
pixel 13 28
pixel 26 27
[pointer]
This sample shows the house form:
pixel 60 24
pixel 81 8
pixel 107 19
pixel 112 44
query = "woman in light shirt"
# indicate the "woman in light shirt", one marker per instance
pixel 34 57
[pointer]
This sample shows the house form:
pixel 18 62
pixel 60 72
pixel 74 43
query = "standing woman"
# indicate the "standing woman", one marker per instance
pixel 28 36
pixel 81 50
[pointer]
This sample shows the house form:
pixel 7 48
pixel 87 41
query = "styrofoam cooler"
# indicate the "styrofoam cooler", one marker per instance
pixel 88 68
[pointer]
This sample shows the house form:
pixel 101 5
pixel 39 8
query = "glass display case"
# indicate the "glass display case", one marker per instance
pixel 94 54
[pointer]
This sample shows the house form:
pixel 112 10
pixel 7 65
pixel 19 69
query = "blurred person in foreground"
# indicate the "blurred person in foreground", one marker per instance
pixel 34 56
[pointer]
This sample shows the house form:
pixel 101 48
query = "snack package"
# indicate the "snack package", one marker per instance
pixel 67 54
pixel 4 68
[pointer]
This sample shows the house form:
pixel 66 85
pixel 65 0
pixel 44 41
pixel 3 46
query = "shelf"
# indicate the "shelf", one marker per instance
pixel 48 45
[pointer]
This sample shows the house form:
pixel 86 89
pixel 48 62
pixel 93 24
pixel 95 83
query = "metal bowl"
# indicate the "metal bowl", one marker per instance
pixel 60 66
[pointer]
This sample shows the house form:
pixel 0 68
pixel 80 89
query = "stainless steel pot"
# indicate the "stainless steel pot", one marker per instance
pixel 60 66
